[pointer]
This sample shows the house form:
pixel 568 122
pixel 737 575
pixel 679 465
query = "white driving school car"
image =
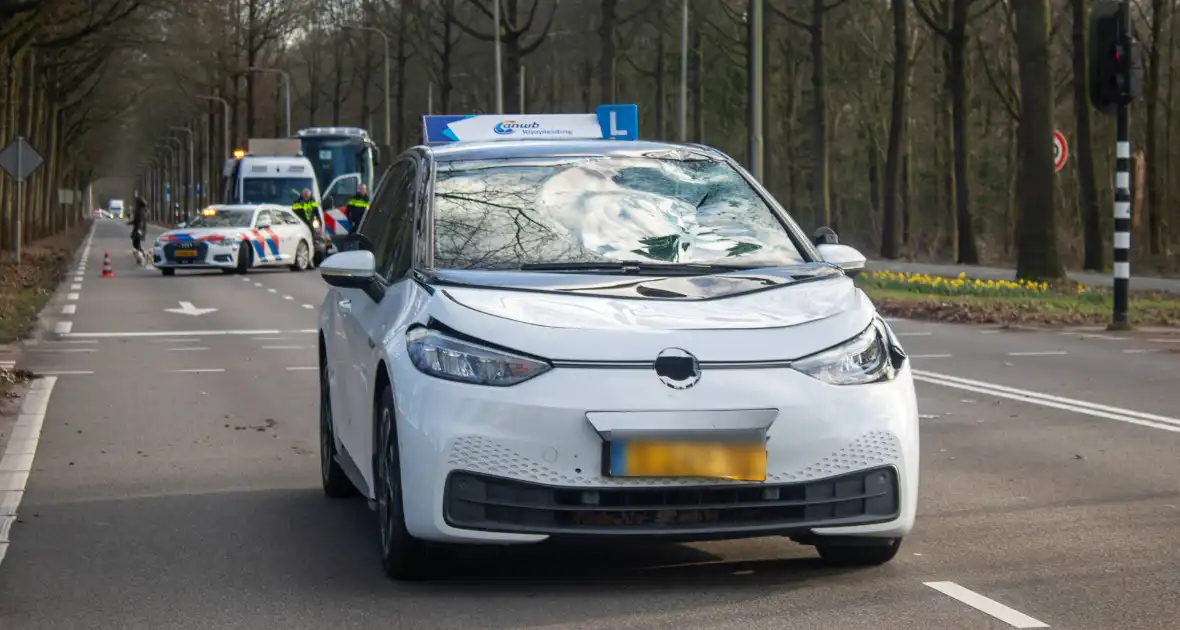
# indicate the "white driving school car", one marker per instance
pixel 235 238
pixel 547 328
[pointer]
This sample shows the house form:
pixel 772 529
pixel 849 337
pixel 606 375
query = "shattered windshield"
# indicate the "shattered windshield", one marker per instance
pixel 497 214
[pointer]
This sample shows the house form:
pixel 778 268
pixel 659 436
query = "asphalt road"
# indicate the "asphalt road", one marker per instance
pixel 175 485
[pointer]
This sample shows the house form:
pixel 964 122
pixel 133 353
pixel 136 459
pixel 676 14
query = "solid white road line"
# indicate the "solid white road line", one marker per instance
pixel 285 347
pixel 301 368
pixel 930 356
pixel 69 309
pixel 198 370
pixel 63 327
pixel 18 456
pixel 1047 353
pixel 66 373
pixel 1141 350
pixel 187 349
pixel 181 333
pixel 72 296
pixel 175 340
pixel 271 338
pixel 915 334
pixel 1012 617
pixel 1165 340
pixel 63 350
pixel 1129 416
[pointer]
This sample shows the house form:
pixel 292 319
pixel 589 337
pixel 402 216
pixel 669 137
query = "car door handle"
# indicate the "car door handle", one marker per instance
pixel 344 306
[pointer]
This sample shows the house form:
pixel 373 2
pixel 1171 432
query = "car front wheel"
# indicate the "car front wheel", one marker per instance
pixel 859 554
pixel 402 556
pixel 302 258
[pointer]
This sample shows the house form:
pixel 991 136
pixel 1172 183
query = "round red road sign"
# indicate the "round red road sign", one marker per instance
pixel 1060 150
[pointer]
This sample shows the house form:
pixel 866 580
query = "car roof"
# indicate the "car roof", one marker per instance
pixel 477 150
pixel 275 159
pixel 250 207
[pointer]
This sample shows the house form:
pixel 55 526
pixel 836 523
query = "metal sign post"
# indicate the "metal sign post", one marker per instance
pixel 19 159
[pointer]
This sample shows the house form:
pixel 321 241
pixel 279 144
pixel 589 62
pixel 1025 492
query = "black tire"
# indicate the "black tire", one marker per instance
pixel 168 272
pixel 302 258
pixel 245 257
pixel 858 555
pixel 336 484
pixel 402 556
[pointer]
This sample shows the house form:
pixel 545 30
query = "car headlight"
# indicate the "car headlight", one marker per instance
pixel 863 359
pixel 445 357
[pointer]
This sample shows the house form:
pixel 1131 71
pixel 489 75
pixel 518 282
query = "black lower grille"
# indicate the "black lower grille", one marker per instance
pixel 483 502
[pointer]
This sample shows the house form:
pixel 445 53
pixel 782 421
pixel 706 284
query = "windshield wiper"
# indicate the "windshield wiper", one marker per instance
pixel 634 267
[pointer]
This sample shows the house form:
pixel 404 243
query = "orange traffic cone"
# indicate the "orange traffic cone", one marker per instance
pixel 107 272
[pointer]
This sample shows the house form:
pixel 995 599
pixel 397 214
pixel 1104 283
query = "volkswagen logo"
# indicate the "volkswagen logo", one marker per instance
pixel 677 368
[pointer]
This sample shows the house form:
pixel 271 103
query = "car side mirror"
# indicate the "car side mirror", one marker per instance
pixel 843 256
pixel 181 225
pixel 353 270
pixel 825 236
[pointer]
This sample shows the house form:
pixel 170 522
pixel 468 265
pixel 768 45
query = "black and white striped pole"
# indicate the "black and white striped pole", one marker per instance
pixel 1115 82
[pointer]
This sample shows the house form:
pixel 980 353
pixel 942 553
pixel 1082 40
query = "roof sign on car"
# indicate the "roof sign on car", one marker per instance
pixel 609 122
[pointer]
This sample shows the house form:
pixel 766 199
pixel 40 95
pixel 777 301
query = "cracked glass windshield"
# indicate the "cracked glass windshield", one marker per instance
pixel 498 214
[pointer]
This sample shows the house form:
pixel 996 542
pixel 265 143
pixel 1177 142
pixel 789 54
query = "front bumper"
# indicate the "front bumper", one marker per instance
pixel 208 256
pixel 523 463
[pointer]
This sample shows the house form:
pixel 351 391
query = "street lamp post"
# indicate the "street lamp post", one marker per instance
pixel 286 91
pixel 388 117
pixel 190 192
pixel 499 75
pixel 684 72
pixel 166 177
pixel 224 120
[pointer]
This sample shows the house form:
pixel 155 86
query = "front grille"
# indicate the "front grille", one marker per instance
pixel 170 252
pixel 483 502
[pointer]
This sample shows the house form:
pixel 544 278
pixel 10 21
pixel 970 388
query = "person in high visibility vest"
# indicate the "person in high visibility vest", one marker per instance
pixel 305 208
pixel 357 207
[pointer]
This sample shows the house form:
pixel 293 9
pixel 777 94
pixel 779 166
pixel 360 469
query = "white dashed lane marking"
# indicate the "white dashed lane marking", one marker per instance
pixel 302 368
pixel 1010 616
pixel 915 334
pixel 1047 353
pixel 187 349
pixel 197 370
pixel 308 306
pixel 18 455
pixel 287 297
pixel 286 347
pixel 272 291
pixel 69 309
pixel 63 327
pixel 72 297
pixel 930 356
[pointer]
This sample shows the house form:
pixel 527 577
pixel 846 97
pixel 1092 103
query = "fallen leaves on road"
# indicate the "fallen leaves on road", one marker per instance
pixel 25 288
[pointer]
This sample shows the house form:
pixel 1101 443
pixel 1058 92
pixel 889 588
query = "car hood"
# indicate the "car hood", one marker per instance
pixel 198 234
pixel 745 317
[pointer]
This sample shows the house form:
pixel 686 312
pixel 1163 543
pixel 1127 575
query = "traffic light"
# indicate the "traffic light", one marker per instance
pixel 1116 68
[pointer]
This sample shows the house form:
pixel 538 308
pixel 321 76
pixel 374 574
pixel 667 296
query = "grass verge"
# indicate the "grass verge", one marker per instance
pixel 971 300
pixel 25 288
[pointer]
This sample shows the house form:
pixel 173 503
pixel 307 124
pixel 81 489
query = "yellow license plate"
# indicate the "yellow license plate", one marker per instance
pixel 181 253
pixel 641 458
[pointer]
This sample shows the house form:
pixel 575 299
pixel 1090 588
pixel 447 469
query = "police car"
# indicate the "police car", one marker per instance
pixel 549 328
pixel 235 238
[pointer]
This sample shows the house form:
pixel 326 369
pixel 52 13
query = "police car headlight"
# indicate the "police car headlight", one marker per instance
pixel 315 223
pixel 439 355
pixel 863 359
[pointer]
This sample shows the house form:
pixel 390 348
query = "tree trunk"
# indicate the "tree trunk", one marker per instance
pixel 697 61
pixel 968 251
pixel 820 195
pixel 1037 256
pixel 606 61
pixel 890 243
pixel 1092 245
pixel 1154 210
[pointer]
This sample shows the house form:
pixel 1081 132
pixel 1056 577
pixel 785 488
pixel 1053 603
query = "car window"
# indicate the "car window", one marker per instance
pixel 378 212
pixel 497 214
pixel 277 190
pixel 222 218
pixel 265 216
pixel 288 218
pixel 394 246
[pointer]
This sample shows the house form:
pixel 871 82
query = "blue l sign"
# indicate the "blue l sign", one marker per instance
pixel 619 122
